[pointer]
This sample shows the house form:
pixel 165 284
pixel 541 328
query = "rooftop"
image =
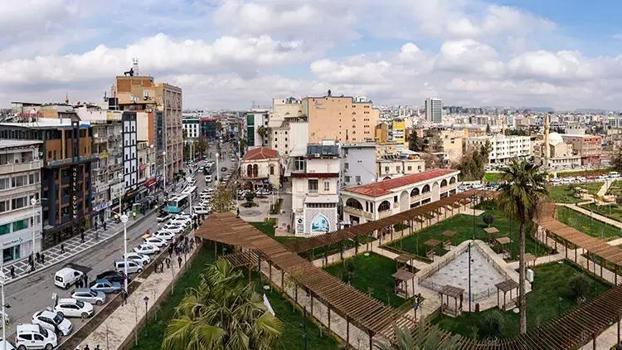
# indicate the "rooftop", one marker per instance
pixel 260 153
pixel 377 189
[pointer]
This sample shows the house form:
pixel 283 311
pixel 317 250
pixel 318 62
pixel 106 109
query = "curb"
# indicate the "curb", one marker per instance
pixel 18 278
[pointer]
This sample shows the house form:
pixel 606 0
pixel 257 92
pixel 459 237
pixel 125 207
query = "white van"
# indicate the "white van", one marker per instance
pixel 208 178
pixel 32 336
pixel 133 266
pixel 67 276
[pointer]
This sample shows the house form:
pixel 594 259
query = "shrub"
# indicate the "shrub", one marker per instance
pixel 491 325
pixel 579 287
pixel 488 219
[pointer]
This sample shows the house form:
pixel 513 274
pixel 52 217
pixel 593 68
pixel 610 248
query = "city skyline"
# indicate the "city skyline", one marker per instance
pixel 229 54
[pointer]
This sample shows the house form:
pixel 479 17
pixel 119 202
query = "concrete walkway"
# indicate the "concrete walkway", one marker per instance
pixel 117 330
pixel 604 188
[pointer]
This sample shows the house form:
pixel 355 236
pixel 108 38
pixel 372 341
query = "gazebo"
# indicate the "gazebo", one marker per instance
pixel 448 234
pixel 456 293
pixel 492 232
pixel 506 286
pixel 432 244
pixel 405 261
pixel 402 276
pixel 502 242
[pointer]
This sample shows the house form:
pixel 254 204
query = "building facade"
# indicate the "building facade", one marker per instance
pixel 256 128
pixel 315 190
pixel 588 147
pixel 358 164
pixel 503 148
pixel 341 119
pixel 388 167
pixel 434 110
pixel 378 200
pixel 192 127
pixel 20 182
pixel 261 167
pixel 130 158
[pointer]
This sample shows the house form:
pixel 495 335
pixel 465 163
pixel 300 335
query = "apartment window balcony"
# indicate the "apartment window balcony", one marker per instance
pixel 15 168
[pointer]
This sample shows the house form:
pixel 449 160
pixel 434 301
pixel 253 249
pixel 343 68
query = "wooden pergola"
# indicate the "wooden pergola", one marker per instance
pixel 492 232
pixel 402 276
pixel 506 286
pixel 448 234
pixel 449 291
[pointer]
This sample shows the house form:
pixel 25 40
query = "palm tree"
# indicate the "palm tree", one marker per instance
pixel 223 312
pixel 524 188
pixel 424 337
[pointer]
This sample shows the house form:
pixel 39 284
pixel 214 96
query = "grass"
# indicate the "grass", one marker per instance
pixel 267 227
pixel 565 193
pixel 594 172
pixel 616 188
pixel 293 336
pixel 612 211
pixel 493 177
pixel 152 335
pixel 586 224
pixel 467 227
pixel 372 275
pixel 550 297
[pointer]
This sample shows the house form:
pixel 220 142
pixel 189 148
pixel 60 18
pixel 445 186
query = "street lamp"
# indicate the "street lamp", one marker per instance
pixel 3 280
pixel 164 154
pixel 124 219
pixel 33 201
pixel 217 167
pixel 146 299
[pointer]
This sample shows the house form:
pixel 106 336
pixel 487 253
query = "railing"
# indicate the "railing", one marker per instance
pixel 420 197
pixel 19 167
pixel 357 212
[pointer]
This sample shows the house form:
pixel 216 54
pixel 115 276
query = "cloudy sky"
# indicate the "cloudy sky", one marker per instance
pixel 229 54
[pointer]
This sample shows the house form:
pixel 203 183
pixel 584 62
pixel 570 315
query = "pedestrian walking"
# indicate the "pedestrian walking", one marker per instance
pixel 42 258
pixel 62 248
pixel 168 263
pixel 104 226
pixel 38 257
pixel 86 279
pixel 179 261
pixel 30 259
pixel 95 224
pixel 86 347
pixel 82 236
pixel 124 295
pixel 12 271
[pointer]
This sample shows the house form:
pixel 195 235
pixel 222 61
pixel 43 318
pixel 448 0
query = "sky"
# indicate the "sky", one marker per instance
pixel 231 54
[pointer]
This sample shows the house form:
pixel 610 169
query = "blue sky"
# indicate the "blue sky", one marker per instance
pixel 227 54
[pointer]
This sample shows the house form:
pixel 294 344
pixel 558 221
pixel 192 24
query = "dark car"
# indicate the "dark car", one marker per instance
pixel 112 276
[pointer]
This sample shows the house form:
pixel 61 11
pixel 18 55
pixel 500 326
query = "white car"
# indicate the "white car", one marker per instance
pixel 167 236
pixel 33 336
pixel 89 296
pixel 173 228
pixel 52 321
pixel 70 307
pixel 142 259
pixel 199 209
pixel 158 242
pixel 146 249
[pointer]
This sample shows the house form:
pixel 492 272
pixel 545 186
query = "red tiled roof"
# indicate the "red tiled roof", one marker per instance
pixel 376 189
pixel 260 153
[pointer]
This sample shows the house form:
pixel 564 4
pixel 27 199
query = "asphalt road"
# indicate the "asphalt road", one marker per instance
pixel 34 293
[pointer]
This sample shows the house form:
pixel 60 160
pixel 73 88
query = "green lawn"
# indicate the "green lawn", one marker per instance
pixel 267 227
pixel 586 224
pixel 616 188
pixel 492 177
pixel 467 227
pixel 593 172
pixel 152 334
pixel 549 298
pixel 565 193
pixel 371 273
pixel 613 211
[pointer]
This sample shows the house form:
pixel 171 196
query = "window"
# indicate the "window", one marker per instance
pixel 326 185
pixel 346 166
pixel 17 203
pixel 19 181
pixel 271 169
pixel 410 168
pixel 20 225
pixel 4 229
pixel 313 186
pixel 5 183
pixel 347 179
pixel 4 206
pixel 358 179
pixel 398 168
pixel 386 169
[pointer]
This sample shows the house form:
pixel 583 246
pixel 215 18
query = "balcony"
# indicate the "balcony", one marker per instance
pixel 383 214
pixel 358 212
pixel 421 197
pixel 20 167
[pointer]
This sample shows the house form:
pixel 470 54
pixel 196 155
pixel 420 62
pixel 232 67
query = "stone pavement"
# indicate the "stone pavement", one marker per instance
pixel 118 329
pixel 73 246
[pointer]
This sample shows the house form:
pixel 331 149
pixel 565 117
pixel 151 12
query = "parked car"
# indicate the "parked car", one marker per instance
pixel 174 228
pixel 52 321
pixel 166 236
pixel 208 178
pixel 143 259
pixel 132 266
pixel 146 249
pixel 67 276
pixel 163 217
pixel 200 209
pixel 69 307
pixel 33 336
pixel 112 276
pixel 158 242
pixel 89 296
pixel 106 286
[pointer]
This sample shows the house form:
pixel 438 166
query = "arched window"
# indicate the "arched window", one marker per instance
pixel 271 169
pixel 425 189
pixel 452 180
pixel 353 203
pixel 414 192
pixel 384 206
pixel 249 171
pixel 443 183
pixel 255 170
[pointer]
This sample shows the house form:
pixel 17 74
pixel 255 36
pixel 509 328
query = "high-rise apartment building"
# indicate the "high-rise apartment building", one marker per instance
pixel 343 119
pixel 434 110
pixel 256 131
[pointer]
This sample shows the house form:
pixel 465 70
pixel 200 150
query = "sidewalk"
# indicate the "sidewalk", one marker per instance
pixel 73 247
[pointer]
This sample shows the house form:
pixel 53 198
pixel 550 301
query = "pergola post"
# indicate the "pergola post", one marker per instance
pixel 296 292
pixel 328 308
pixel 270 271
pixel 347 332
pixel 282 279
pixel 311 296
pixel 371 341
pixel 618 342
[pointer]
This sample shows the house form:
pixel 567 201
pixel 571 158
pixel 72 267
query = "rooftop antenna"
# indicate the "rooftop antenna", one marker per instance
pixel 135 66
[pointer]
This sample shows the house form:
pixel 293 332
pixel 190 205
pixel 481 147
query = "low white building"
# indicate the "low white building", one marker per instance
pixel 502 148
pixel 315 190
pixel 389 197
pixel 389 167
pixel 259 167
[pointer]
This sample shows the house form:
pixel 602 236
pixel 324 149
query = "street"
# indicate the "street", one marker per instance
pixel 34 293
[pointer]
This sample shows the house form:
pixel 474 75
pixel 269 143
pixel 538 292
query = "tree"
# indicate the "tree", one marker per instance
pixel 579 287
pixel 487 129
pixel 415 143
pixel 491 325
pixel 223 312
pixel 223 200
pixel 616 161
pixel 201 147
pixel 488 219
pixel 519 197
pixel 249 196
pixel 424 337
pixel 472 166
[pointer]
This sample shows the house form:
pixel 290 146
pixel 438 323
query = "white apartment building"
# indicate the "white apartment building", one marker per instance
pixel 20 182
pixel 389 167
pixel 289 129
pixel 315 190
pixel 191 126
pixel 502 148
pixel 434 110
